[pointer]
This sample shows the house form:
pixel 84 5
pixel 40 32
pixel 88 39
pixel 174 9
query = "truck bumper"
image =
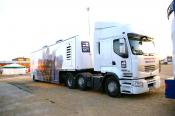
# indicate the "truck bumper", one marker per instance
pixel 140 86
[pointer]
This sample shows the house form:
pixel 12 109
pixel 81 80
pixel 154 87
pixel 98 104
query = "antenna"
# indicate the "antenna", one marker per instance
pixel 88 9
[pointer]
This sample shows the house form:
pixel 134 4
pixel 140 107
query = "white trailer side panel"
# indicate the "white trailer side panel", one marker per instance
pixel 65 54
pixel 74 54
pixel 68 55
pixel 83 55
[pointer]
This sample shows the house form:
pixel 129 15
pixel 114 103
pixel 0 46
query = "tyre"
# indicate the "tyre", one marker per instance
pixel 82 82
pixel 70 81
pixel 34 79
pixel 112 87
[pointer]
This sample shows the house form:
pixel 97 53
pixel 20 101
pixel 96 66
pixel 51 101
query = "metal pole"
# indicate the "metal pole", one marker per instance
pixel 173 36
pixel 88 9
pixel 170 10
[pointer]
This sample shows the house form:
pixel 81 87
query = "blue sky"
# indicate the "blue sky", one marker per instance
pixel 27 25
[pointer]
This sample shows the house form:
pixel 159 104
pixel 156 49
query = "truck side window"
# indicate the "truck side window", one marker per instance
pixel 116 48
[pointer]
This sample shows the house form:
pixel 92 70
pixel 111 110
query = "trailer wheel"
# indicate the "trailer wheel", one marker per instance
pixel 70 81
pixel 82 82
pixel 112 87
pixel 34 78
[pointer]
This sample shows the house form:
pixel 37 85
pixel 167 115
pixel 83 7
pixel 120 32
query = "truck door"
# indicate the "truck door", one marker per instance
pixel 120 56
pixel 105 53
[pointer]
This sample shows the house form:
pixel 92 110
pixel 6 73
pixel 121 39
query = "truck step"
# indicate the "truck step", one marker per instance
pixel 94 76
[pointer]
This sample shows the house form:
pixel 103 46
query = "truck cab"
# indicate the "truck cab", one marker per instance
pixel 128 56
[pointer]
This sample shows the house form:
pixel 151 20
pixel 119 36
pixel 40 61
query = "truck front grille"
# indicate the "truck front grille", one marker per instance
pixel 150 68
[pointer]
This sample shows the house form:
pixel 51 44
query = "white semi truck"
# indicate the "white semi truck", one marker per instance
pixel 118 61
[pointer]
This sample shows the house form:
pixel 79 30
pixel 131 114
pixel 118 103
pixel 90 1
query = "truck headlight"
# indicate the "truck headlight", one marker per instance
pixel 137 84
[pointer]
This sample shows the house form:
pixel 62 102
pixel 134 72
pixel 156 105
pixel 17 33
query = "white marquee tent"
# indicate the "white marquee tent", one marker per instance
pixel 12 69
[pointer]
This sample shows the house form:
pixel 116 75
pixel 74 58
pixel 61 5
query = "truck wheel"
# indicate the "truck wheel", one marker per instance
pixel 82 82
pixel 112 87
pixel 70 81
pixel 34 78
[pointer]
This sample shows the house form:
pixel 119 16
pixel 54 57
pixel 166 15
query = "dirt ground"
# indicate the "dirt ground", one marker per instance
pixel 20 96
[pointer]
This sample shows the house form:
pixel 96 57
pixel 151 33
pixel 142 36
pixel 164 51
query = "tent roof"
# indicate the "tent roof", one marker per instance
pixel 13 66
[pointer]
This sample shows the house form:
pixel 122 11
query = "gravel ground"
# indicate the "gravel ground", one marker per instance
pixel 20 96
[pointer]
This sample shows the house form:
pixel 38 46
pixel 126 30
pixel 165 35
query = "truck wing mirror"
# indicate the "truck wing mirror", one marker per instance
pixel 170 9
pixel 122 46
pixel 123 50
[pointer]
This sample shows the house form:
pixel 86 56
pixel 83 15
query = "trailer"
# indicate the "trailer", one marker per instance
pixel 115 60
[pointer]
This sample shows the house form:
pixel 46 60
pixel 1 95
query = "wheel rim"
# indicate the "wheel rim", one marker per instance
pixel 69 82
pixel 80 81
pixel 112 87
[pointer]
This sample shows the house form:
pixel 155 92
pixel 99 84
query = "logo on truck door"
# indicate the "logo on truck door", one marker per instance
pixel 123 64
pixel 85 46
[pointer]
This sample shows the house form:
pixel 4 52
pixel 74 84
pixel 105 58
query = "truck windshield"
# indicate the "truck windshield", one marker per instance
pixel 141 45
